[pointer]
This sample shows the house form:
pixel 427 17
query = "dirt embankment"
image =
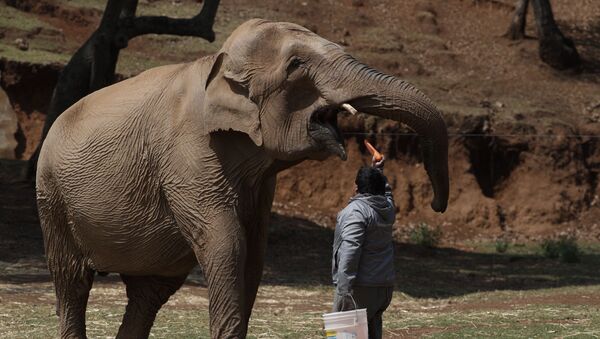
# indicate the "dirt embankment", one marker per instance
pixel 29 88
pixel 524 147
pixel 507 179
pixel 529 177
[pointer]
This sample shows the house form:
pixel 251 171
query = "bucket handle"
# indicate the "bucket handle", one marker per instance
pixel 355 307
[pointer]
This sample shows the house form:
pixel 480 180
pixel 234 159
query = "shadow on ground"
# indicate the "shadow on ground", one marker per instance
pixel 587 41
pixel 299 254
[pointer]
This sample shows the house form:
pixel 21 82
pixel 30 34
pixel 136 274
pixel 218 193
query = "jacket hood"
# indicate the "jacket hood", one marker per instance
pixel 380 204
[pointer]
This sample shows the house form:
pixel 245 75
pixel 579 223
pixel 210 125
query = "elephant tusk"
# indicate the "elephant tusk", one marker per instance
pixel 349 108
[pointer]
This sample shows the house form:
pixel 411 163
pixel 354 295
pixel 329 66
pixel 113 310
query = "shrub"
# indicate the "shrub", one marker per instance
pixel 425 235
pixel 550 248
pixel 564 248
pixel 501 245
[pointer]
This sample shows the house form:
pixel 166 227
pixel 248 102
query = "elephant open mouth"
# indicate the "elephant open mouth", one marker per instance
pixel 323 128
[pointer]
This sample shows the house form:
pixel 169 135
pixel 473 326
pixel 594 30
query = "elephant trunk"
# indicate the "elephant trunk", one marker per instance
pixel 374 93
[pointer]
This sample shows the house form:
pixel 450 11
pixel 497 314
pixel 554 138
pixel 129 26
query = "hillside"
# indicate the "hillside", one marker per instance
pixel 525 151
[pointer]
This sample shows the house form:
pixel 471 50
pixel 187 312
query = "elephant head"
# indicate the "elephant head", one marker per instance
pixel 284 86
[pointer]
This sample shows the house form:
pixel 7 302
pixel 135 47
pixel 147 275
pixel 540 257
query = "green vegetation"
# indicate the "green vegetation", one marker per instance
pixel 171 9
pixel 11 18
pixel 292 312
pixel 501 245
pixel 497 319
pixel 32 55
pixel 95 4
pixel 447 294
pixel 49 46
pixel 564 248
pixel 45 42
pixel 425 235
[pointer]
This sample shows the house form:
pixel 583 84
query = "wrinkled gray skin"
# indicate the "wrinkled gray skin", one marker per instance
pixel 177 166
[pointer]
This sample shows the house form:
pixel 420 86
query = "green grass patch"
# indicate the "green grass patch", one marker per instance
pixel 170 9
pixel 292 312
pixel 96 4
pixel 169 49
pixel 147 51
pixel 11 52
pixel 501 245
pixel 530 322
pixel 12 18
pixel 564 248
pixel 499 314
pixel 425 235
pixel 460 296
pixel 132 63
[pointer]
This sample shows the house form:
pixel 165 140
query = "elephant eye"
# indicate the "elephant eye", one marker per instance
pixel 293 65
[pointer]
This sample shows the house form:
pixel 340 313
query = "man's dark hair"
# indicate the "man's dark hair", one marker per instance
pixel 370 180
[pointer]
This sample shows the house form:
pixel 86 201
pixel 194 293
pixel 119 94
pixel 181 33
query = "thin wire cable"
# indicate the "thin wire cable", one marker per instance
pixel 483 135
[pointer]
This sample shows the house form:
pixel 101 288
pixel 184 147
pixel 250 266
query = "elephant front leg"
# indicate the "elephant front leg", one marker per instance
pixel 223 258
pixel 257 242
pixel 256 238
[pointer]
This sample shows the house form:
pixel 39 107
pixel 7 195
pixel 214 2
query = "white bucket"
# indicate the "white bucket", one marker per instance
pixel 346 325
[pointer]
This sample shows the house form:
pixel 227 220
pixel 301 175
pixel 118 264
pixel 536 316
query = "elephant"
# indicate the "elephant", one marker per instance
pixel 177 167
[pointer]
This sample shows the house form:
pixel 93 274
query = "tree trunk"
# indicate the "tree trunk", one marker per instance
pixel 93 65
pixel 555 49
pixel 516 30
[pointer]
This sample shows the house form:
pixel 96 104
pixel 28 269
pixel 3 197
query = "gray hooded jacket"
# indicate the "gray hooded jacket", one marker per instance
pixel 363 250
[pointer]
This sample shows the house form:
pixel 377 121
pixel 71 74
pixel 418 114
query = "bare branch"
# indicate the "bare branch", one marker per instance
pixel 165 25
pixel 200 25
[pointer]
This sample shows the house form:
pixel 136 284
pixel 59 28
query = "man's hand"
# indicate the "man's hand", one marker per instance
pixel 345 303
pixel 378 164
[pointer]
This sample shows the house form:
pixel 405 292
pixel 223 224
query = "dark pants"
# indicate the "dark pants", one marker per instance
pixel 375 299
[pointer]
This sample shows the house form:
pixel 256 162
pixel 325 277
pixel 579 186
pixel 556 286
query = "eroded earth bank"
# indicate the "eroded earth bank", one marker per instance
pixel 524 139
pixel 525 177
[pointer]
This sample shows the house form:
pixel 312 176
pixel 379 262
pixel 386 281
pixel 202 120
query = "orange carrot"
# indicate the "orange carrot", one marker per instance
pixel 378 156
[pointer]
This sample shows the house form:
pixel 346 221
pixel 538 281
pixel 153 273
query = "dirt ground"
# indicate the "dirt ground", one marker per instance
pixel 466 291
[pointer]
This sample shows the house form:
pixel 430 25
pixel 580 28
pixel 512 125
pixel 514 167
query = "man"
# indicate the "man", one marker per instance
pixel 363 251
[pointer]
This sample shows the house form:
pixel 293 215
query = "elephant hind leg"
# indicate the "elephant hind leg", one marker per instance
pixel 70 271
pixel 72 297
pixel 146 296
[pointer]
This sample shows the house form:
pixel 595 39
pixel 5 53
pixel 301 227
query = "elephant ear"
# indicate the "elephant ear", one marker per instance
pixel 227 103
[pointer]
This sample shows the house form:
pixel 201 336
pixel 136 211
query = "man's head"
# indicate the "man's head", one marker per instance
pixel 370 180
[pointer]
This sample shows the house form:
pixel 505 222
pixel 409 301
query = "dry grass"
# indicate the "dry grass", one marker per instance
pixel 291 312
pixel 293 309
pixel 470 291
